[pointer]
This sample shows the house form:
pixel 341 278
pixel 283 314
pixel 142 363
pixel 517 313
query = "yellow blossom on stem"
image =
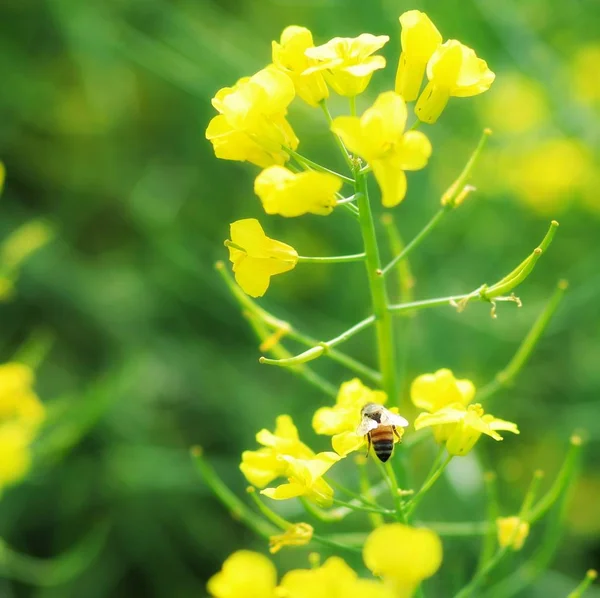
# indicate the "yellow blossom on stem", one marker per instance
pixel 290 194
pixel 460 427
pixel 264 465
pixel 289 56
pixel 251 125
pixel 245 574
pixel 420 39
pixel 512 531
pixel 453 70
pixel 341 420
pixel 16 455
pixel 432 392
pixel 380 138
pixel 305 479
pixel 347 62
pixel 404 556
pixel 256 257
pixel 298 534
pixel 334 579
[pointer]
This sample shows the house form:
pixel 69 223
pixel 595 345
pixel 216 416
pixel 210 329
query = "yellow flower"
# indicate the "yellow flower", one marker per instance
pixel 512 531
pixel 460 427
pixel 378 136
pixel 305 479
pixel 251 125
pixel 298 534
pixel 256 257
pixel 292 194
pixel 432 392
pixel 347 63
pixel 16 456
pixel 420 39
pixel 404 556
pixel 453 70
pixel 289 56
pixel 334 579
pixel 244 574
pixel 264 465
pixel 341 420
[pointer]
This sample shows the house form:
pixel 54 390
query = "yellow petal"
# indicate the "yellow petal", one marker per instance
pixel 434 391
pixel 391 180
pixel 512 531
pixel 413 152
pixel 16 455
pixel 431 102
pixel 447 415
pixel 347 442
pixel 297 534
pixel 244 574
pixel 327 420
pixel 416 553
pixel 285 491
pixel 261 467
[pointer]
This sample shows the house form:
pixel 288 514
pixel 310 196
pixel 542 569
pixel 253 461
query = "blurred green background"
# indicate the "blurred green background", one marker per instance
pixel 103 107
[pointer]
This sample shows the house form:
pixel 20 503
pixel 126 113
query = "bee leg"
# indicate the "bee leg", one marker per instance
pixel 396 433
pixel 368 445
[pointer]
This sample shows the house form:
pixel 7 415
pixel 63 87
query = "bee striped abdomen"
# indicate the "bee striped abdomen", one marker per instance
pixel 382 439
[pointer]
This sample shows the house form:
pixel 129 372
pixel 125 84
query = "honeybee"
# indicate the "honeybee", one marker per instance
pixel 379 425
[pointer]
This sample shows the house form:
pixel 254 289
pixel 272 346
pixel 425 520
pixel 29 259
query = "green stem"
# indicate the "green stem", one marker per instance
pixel 493 512
pixel 339 142
pixel 427 303
pixel 268 513
pixel 352 102
pixel 436 471
pixel 383 320
pixel 395 490
pixel 586 582
pixel 310 165
pixel 337 259
pixel 507 376
pixel 355 506
pixel 429 227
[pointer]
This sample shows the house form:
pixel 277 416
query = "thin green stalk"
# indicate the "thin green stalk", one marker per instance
pixel 383 321
pixel 336 259
pixel 355 506
pixel 351 493
pixel 332 544
pixel 507 376
pixel 310 165
pixel 436 471
pixel 424 233
pixel 235 506
pixel 586 582
pixel 332 516
pixel 352 102
pixel 35 348
pixel 492 513
pixel 402 308
pixel 376 519
pixel 457 528
pixel 268 513
pixel 339 142
pixel 395 492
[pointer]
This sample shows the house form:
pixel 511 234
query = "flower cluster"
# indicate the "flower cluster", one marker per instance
pixel 21 414
pixel 417 555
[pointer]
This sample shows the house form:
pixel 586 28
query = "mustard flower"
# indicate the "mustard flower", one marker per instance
pixel 290 194
pixel 347 62
pixel 341 420
pixel 245 574
pixel 298 534
pixel 379 137
pixel 289 56
pixel 512 531
pixel 256 257
pixel 15 451
pixel 453 70
pixel 261 467
pixel 334 579
pixel 420 39
pixel 305 479
pixel 432 392
pixel 404 556
pixel 251 125
pixel 460 427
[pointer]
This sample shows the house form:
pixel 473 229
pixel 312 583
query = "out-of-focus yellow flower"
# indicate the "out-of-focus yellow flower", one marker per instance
pixel 434 391
pixel 512 531
pixel 22 242
pixel 347 62
pixel 517 105
pixel 292 194
pixel 289 55
pixel 404 556
pixel 378 136
pixel 334 579
pixel 341 420
pixel 244 574
pixel 305 479
pixel 21 414
pixel 251 125
pixel 298 534
pixel 453 70
pixel 2 176
pixel 420 39
pixel 460 427
pixel 264 465
pixel 256 257
pixel 584 65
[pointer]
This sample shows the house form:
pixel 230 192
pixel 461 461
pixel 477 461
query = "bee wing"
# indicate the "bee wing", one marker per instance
pixel 393 419
pixel 366 425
